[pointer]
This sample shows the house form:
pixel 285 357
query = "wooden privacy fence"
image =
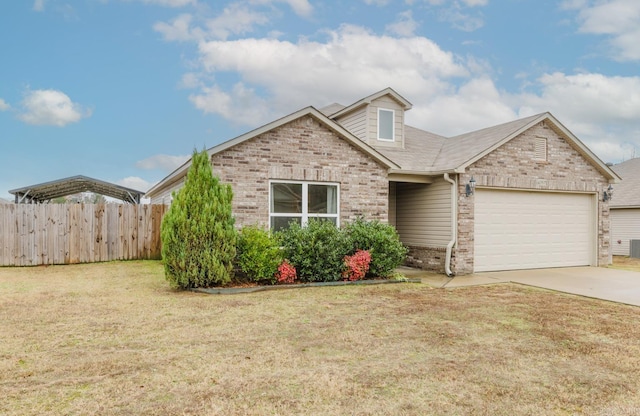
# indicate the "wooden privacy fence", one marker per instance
pixel 78 233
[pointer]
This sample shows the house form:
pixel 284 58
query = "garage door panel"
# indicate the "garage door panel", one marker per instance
pixel 525 230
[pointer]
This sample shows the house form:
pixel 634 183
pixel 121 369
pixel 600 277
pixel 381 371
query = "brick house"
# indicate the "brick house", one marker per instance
pixel 524 194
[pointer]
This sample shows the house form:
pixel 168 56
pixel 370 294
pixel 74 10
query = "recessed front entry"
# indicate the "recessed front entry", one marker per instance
pixel 529 230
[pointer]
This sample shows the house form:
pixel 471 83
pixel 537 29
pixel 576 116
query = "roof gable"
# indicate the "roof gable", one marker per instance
pixel 403 102
pixel 461 151
pixel 179 173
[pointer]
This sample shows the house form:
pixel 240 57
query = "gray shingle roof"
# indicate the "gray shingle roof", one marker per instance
pixel 331 109
pixel 420 150
pixel 460 149
pixel 627 192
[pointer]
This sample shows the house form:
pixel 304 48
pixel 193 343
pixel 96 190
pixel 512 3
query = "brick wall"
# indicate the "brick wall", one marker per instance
pixel 426 258
pixel 513 166
pixel 304 150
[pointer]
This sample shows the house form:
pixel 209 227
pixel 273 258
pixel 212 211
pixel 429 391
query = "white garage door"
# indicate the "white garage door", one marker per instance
pixel 529 230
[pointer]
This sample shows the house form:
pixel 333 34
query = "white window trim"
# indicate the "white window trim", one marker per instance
pixel 305 202
pixel 393 125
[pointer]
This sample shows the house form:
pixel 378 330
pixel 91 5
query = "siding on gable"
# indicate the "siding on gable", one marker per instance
pixel 625 226
pixel 356 123
pixel 424 213
pixel 165 197
pixel 387 103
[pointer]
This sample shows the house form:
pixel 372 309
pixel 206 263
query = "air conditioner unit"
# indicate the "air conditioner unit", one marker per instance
pixel 634 248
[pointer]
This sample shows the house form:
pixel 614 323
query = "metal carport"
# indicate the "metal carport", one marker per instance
pixel 45 192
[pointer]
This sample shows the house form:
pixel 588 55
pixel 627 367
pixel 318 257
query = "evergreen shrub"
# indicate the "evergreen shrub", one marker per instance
pixel 198 234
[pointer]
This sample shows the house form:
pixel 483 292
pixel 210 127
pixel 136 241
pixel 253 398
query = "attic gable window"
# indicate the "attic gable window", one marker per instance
pixel 540 149
pixel 386 130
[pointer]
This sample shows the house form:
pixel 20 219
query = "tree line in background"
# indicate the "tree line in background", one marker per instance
pixel 80 198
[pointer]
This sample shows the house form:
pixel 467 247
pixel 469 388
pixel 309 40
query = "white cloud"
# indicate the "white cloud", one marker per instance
pixel 456 3
pixel 593 97
pixel 135 182
pixel 170 3
pixel 4 106
pixel 38 5
pixel 190 80
pixel 474 3
pixel 602 111
pixel 51 107
pixel 404 25
pixel 376 2
pixel 475 105
pixel 234 20
pixel 462 20
pixel 573 4
pixel 166 163
pixel 349 65
pixel 617 19
pixel 300 7
pixel 241 105
pixel 457 12
pixel 178 30
pixel 451 94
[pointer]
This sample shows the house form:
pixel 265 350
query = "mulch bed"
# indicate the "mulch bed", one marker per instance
pixel 252 287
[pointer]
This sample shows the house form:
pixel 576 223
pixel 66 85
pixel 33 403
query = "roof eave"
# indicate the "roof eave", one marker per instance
pixel 179 173
pixel 584 150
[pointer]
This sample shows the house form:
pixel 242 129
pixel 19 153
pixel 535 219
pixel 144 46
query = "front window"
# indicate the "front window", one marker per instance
pixel 299 201
pixel 386 130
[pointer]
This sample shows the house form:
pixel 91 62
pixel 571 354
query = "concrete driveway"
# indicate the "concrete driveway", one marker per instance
pixel 596 282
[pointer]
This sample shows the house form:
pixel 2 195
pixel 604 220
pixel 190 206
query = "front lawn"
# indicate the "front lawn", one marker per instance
pixel 114 339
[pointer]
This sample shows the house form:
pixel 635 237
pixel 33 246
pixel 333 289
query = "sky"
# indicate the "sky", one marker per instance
pixel 125 90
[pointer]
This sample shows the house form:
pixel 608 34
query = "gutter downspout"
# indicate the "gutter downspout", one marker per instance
pixel 454 224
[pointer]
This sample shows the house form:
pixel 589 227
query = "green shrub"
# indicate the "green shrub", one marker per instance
pixel 381 241
pixel 258 255
pixel 198 234
pixel 316 250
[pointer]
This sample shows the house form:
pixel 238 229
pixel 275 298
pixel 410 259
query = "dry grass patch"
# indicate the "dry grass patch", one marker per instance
pixel 626 263
pixel 114 339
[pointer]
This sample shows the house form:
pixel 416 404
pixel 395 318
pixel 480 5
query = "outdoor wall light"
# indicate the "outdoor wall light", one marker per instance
pixel 470 187
pixel 608 194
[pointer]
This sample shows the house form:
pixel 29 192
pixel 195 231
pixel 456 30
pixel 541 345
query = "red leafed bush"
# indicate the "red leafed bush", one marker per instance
pixel 357 265
pixel 286 272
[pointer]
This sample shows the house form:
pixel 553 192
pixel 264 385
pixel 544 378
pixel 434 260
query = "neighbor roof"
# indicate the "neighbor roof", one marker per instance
pixel 625 194
pixel 44 192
